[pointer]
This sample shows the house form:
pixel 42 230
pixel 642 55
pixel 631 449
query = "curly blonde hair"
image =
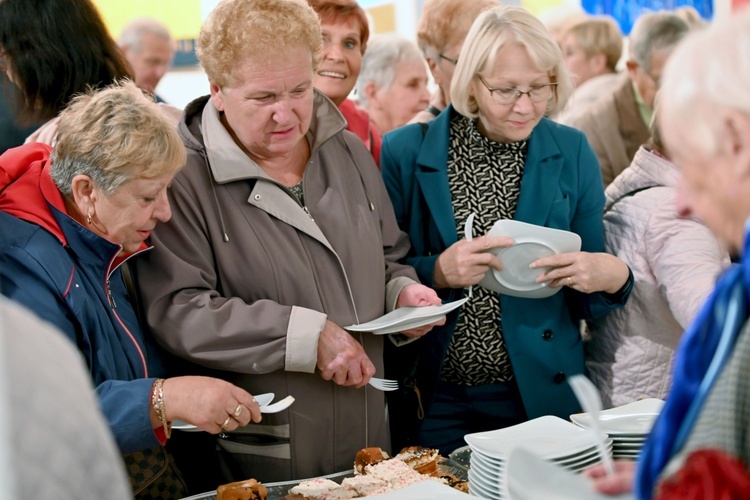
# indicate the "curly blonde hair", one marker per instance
pixel 114 135
pixel 260 29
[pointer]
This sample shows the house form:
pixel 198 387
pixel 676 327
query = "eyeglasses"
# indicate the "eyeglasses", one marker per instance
pixel 443 56
pixel 509 95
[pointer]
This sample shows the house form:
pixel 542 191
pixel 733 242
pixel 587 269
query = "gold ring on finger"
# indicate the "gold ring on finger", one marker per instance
pixel 226 422
pixel 237 411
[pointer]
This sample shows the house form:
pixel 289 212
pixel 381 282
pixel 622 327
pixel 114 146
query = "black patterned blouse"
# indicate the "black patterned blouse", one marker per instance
pixel 485 179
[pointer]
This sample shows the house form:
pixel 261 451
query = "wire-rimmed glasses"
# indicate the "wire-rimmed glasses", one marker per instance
pixel 509 95
pixel 449 59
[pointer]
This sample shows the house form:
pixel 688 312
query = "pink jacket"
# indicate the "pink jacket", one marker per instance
pixel 675 263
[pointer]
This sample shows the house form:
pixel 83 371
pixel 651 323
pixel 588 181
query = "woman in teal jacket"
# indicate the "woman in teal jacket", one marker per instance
pixel 501 359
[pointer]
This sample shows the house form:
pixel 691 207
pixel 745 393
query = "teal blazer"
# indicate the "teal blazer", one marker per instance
pixel 561 188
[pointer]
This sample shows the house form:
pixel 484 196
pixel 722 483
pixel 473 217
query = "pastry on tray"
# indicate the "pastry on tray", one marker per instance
pixel 249 489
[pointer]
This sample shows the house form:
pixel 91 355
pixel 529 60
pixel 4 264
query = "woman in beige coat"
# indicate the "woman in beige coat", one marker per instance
pixel 282 233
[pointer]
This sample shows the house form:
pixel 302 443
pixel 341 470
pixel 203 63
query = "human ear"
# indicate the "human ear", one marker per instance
pixel 736 141
pixel 217 96
pixel 84 193
pixel 372 95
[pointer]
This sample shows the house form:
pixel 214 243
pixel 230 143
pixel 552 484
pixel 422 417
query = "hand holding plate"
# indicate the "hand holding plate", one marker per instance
pixel 465 262
pixel 583 271
pixel 418 295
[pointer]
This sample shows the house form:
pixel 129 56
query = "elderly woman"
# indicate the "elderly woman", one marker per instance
pixel 591 48
pixel 345 33
pixel 282 234
pixel 392 85
pixel 440 34
pixel 492 153
pixel 675 263
pixel 70 219
pixel 698 447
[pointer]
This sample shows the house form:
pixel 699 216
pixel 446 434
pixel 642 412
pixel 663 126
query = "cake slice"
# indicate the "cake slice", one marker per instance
pixel 366 485
pixel 368 456
pixel 421 459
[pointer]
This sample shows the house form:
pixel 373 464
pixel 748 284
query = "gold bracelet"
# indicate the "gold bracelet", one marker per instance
pixel 157 402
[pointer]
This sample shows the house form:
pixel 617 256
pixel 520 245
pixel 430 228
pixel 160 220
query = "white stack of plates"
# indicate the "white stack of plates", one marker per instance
pixel 551 438
pixel 627 425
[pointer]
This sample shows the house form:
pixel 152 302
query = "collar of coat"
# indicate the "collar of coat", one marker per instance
pixel 229 163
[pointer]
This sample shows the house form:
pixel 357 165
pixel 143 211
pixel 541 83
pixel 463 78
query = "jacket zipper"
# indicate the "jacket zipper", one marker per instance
pixel 113 306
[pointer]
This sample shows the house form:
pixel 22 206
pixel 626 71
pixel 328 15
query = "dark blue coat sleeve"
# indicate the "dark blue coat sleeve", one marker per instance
pixel 125 404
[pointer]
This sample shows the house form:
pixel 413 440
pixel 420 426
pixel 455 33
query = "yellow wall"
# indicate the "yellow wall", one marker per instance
pixel 182 17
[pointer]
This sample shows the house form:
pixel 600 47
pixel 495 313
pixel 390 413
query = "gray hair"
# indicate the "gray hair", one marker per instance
pixel 114 135
pixel 383 54
pixel 133 33
pixel 706 78
pixel 654 32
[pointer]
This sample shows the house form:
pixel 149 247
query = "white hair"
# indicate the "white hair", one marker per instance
pixel 383 54
pixel 707 75
pixel 132 34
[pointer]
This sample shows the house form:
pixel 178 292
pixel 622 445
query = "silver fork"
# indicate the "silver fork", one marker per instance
pixel 382 384
pixel 591 402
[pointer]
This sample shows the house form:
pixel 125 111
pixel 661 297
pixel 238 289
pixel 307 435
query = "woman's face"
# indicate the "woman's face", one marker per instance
pixel 512 68
pixel 579 64
pixel 406 96
pixel 268 104
pixel 341 59
pixel 130 213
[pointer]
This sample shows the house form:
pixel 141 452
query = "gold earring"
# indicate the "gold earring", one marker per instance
pixel 88 218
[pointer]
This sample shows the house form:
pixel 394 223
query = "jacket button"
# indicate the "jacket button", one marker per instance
pixel 257 197
pixel 547 335
pixel 559 377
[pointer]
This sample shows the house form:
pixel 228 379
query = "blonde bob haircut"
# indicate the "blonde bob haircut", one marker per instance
pixel 114 135
pixel 237 30
pixel 493 29
pixel 598 35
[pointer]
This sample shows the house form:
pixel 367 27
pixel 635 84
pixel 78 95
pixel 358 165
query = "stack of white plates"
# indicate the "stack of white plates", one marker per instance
pixel 551 438
pixel 627 425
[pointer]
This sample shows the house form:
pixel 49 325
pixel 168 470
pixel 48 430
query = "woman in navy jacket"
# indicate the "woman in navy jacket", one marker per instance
pixel 501 359
pixel 69 219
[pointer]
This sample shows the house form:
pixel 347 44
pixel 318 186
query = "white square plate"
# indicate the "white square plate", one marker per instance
pixel 549 436
pixel 531 242
pixel 405 318
pixel 633 420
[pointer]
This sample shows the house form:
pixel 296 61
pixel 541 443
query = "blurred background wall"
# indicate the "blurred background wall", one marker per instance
pixel 185 80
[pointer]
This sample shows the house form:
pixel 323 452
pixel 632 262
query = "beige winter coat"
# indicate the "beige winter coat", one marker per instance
pixel 242 280
pixel 614 127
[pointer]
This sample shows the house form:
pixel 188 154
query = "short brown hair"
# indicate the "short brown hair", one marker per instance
pixel 238 29
pixel 114 135
pixel 445 21
pixel 334 11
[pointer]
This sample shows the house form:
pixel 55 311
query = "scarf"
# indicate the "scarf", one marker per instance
pixel 701 355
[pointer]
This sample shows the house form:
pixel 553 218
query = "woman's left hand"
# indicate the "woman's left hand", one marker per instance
pixel 583 271
pixel 419 295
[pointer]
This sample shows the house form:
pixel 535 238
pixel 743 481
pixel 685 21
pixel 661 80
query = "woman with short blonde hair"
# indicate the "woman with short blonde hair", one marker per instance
pixel 493 155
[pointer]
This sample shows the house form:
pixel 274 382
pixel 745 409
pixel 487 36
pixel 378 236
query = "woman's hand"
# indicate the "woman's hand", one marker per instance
pixel 465 262
pixel 341 358
pixel 417 295
pixel 211 404
pixel 583 271
pixel 619 482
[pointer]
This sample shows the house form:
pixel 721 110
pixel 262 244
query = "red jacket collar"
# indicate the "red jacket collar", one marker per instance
pixel 27 191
